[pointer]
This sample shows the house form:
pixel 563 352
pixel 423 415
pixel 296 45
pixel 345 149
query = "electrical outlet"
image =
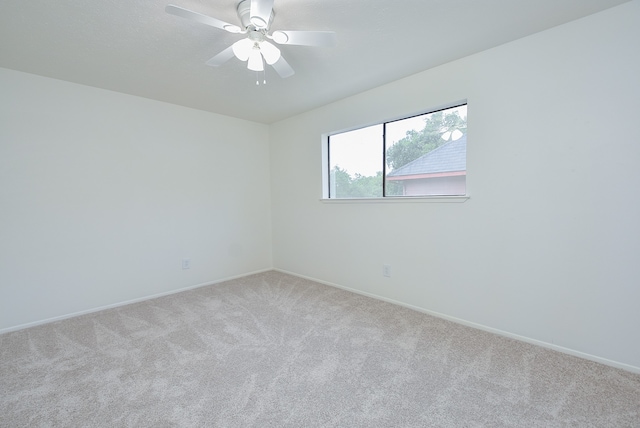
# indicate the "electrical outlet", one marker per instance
pixel 386 271
pixel 186 263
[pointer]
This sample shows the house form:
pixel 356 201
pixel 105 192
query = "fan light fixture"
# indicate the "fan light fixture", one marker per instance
pixel 255 60
pixel 253 49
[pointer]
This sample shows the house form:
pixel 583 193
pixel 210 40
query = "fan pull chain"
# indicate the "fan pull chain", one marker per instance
pixel 264 78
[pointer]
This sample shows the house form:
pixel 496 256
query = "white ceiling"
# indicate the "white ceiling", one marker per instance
pixel 136 48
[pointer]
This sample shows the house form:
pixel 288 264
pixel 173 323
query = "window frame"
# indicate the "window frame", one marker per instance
pixel 326 165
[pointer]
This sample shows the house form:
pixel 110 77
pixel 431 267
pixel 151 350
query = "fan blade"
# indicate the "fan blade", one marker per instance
pixel 260 13
pixel 203 19
pixel 283 68
pixel 305 38
pixel 221 58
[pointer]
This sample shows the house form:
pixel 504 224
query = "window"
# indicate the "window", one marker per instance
pixel 423 155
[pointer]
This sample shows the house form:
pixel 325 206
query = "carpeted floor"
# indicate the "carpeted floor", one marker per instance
pixel 273 350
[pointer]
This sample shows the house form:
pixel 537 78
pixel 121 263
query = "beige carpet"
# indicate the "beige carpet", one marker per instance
pixel 272 350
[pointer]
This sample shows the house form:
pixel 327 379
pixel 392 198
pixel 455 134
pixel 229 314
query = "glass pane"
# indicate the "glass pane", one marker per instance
pixel 427 155
pixel 355 162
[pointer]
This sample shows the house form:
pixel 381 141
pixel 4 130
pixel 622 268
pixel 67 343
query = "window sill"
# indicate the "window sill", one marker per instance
pixel 394 200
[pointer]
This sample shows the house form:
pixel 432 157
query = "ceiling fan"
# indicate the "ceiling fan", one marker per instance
pixel 256 17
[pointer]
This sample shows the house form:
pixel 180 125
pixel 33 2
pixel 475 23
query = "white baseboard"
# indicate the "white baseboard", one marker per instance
pixel 124 303
pixel 547 345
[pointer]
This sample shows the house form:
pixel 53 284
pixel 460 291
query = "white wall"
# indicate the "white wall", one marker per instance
pixel 547 247
pixel 102 195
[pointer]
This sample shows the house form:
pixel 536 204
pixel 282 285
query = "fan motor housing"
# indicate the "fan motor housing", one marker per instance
pixel 244 13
